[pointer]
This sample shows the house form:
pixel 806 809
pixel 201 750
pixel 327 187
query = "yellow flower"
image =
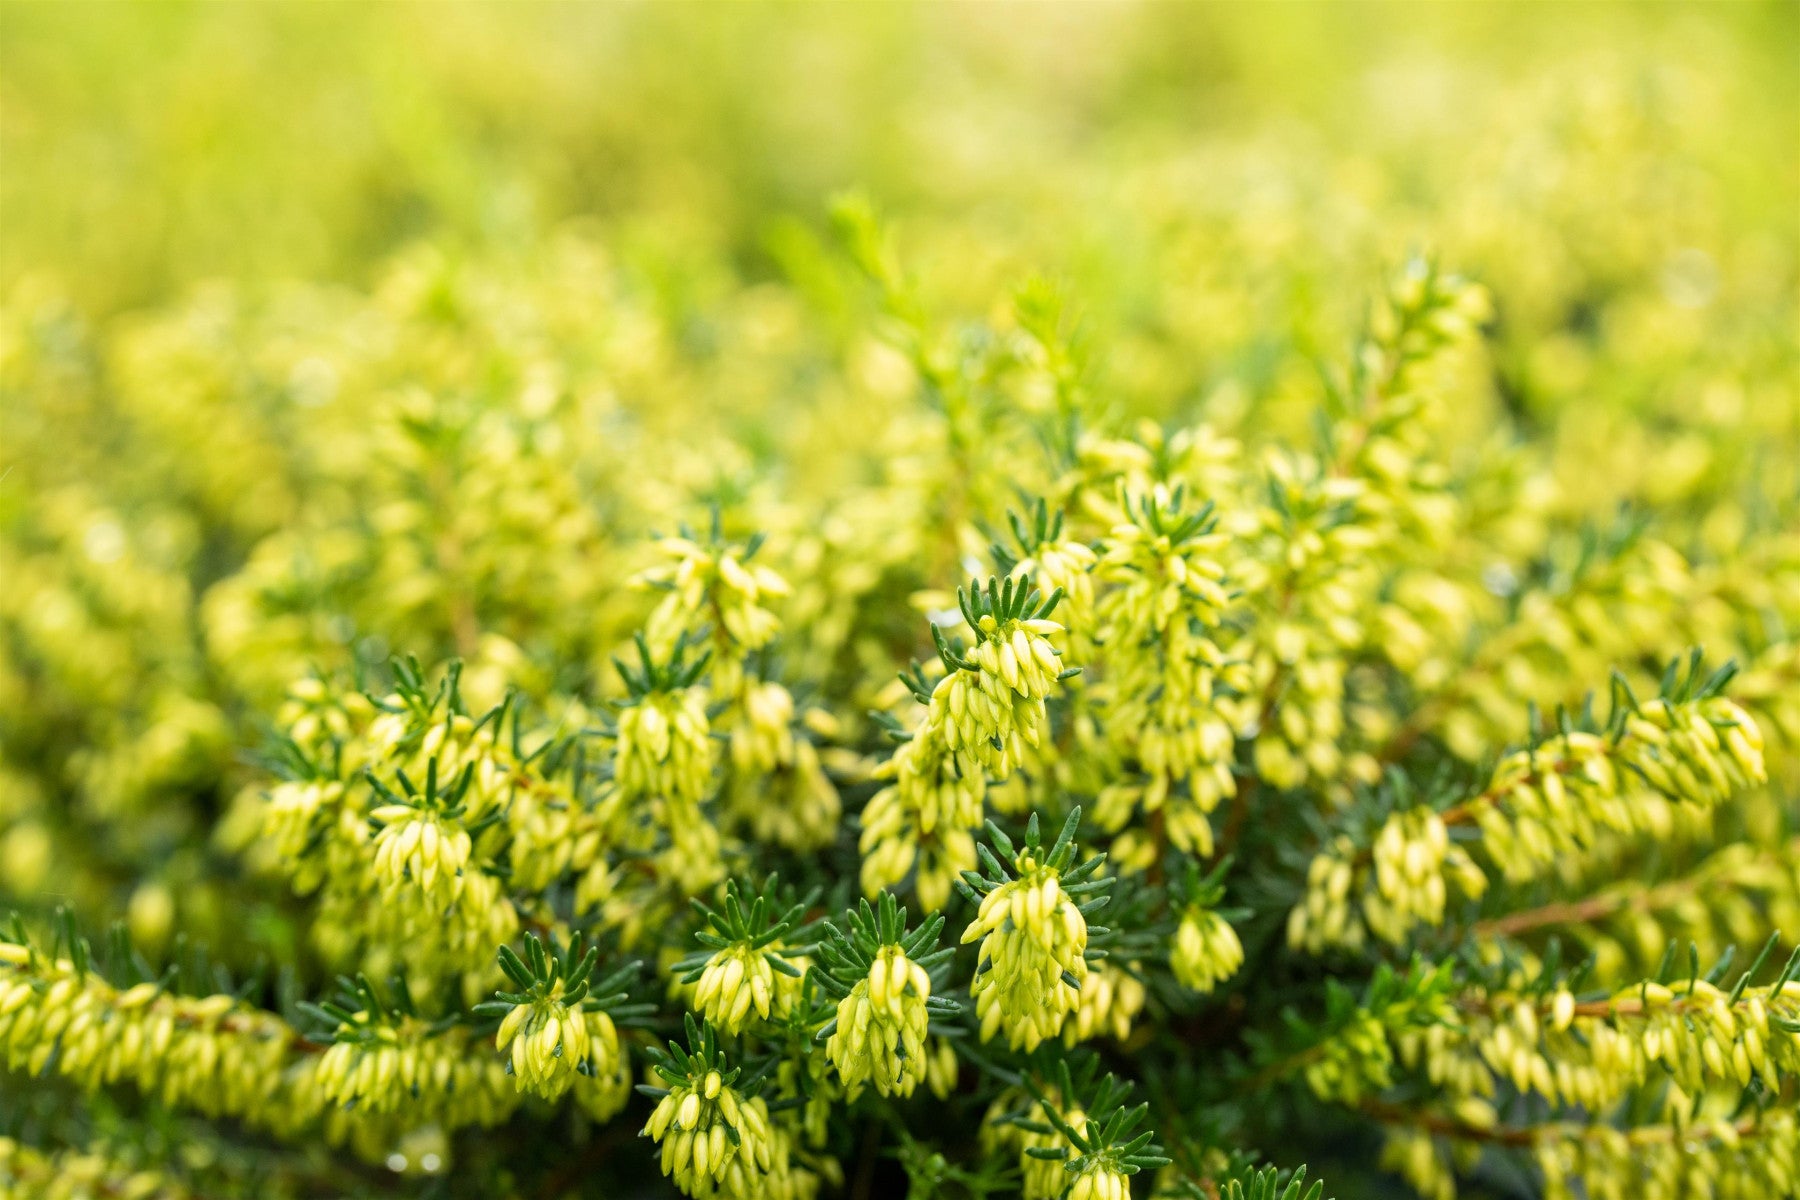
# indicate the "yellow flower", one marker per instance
pixel 881 977
pixel 735 983
pixel 745 977
pixel 1206 950
pixel 664 746
pixel 421 850
pixel 711 1135
pixel 1111 998
pixel 1100 1182
pixel 551 1029
pixel 1032 962
pixel 981 717
pixel 880 1033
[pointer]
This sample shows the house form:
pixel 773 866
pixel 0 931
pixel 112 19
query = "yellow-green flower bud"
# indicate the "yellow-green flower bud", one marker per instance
pixel 1111 998
pixel 1100 1182
pixel 546 1042
pixel 737 983
pixel 690 1123
pixel 1032 962
pixel 664 746
pixel 419 849
pixel 881 1025
pixel 1205 951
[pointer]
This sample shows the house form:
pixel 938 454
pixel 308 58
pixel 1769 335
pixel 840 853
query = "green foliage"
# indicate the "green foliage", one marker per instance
pixel 1155 677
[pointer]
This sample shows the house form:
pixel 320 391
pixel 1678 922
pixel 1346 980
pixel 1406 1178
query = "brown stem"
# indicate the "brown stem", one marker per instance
pixel 1282 1068
pixel 1246 784
pixel 1502 1135
pixel 1469 811
pixel 1159 837
pixel 1591 908
pixel 1525 1135
pixel 1240 813
pixel 1612 1006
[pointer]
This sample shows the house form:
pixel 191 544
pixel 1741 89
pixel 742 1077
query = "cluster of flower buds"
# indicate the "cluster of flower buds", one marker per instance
pixel 422 842
pixel 990 704
pixel 430 937
pixel 213 1054
pixel 1185 737
pixel 1100 1181
pixel 1691 1032
pixel 1111 998
pixel 556 1026
pixel 663 748
pixel 1313 580
pixel 1358 1059
pixel 1011 1124
pixel 1041 1175
pixel 1060 563
pixel 383 1058
pixel 981 717
pixel 1725 1157
pixel 1168 560
pixel 419 725
pixel 1712 1035
pixel 711 1135
pixel 1167 676
pixel 880 1033
pixel 27 1174
pixel 1093 1148
pixel 719 583
pixel 1032 923
pixel 1400 884
pixel 746 975
pixel 296 808
pixel 1542 805
pixel 942 1068
pixel 1690 745
pixel 793 803
pixel 1741 1159
pixel 1325 915
pixel 395 811
pixel 1205 951
pixel 554 828
pixel 735 983
pixel 771 1176
pixel 881 976
pixel 802 1087
pixel 763 737
pixel 1355 1058
pixel 663 760
pixel 1412 1153
pixel 923 818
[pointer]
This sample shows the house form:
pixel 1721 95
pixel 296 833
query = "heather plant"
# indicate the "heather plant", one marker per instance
pixel 566 717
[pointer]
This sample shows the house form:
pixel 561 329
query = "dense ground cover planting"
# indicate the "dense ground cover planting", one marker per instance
pixel 796 601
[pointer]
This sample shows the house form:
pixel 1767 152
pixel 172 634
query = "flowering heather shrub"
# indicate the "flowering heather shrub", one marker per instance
pixel 740 699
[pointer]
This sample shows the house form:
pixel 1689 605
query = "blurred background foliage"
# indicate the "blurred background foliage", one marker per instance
pixel 235 238
pixel 150 147
pixel 1218 184
pixel 226 226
